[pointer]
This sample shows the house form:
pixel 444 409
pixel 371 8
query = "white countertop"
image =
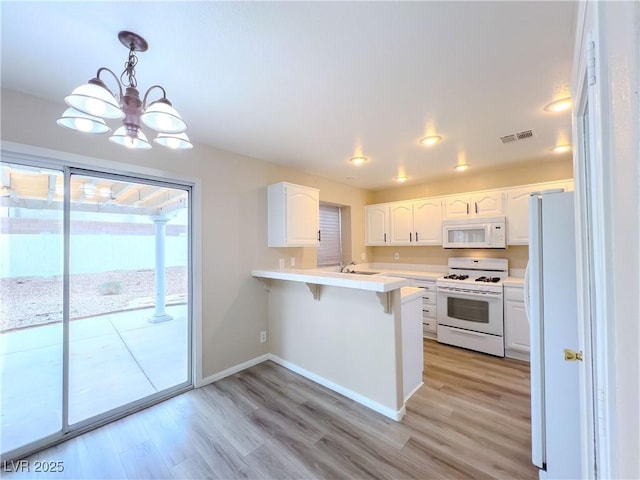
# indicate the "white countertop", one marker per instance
pixel 409 293
pixel 389 270
pixel 513 282
pixel 374 283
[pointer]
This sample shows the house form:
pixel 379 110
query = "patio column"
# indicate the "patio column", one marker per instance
pixel 160 314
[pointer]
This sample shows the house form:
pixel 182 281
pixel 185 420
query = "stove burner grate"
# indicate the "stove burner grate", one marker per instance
pixel 488 279
pixel 455 276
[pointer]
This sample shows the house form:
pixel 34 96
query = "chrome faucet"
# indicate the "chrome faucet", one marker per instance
pixel 346 266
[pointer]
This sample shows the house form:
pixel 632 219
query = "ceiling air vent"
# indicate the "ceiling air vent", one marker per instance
pixel 517 136
pixel 525 134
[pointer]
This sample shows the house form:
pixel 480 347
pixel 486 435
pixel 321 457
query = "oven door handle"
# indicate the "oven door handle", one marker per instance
pixel 467 332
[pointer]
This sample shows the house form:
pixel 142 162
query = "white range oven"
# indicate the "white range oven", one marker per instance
pixel 470 308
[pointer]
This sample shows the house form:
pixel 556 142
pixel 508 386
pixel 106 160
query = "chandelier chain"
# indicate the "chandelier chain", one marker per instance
pixel 130 70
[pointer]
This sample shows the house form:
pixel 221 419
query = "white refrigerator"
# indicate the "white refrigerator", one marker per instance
pixel 551 304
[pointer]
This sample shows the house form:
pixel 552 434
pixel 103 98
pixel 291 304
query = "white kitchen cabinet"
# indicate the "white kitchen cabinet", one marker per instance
pixel 293 215
pixel 517 208
pixel 401 223
pixel 487 204
pixel 429 312
pixel 516 325
pixel 477 204
pixel 427 221
pixel 376 222
pixel 418 222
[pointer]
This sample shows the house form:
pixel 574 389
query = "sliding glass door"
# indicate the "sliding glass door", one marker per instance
pixel 31 290
pixel 96 318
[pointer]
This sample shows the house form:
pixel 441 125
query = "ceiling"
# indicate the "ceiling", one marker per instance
pixel 312 84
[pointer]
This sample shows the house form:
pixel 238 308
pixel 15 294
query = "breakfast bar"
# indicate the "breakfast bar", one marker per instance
pixel 345 331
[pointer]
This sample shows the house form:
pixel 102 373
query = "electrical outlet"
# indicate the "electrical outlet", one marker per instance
pixel 363 256
pixel 396 256
pixel 293 261
pixel 263 336
pixel 281 263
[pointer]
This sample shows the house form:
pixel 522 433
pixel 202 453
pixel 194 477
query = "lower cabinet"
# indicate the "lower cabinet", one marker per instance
pixel 516 324
pixel 429 324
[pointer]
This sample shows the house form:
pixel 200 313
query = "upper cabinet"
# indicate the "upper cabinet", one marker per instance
pixel 427 221
pixel 293 215
pixel 401 223
pixel 376 224
pixel 479 204
pixel 517 208
pixel 417 222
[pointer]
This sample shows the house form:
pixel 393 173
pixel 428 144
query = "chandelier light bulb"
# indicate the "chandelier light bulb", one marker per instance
pixel 83 124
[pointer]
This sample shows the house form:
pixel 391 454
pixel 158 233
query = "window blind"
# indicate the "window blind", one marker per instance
pixel 330 245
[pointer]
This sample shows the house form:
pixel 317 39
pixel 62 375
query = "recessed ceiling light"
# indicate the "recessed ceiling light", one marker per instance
pixel 561 148
pixel 430 140
pixel 401 178
pixel 559 105
pixel 358 160
pixel 461 167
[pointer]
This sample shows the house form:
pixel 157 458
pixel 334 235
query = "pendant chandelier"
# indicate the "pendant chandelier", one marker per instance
pixel 92 103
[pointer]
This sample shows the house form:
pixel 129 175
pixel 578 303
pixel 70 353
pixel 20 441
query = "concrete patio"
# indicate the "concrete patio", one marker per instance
pixel 114 359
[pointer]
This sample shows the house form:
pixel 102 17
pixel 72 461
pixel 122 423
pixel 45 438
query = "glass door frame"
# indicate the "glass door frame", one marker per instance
pixel 69 431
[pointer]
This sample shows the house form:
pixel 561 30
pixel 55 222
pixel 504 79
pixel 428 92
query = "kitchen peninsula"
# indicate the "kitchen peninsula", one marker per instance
pixel 345 331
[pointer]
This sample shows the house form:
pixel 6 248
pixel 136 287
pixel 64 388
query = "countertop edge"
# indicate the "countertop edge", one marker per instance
pixel 375 283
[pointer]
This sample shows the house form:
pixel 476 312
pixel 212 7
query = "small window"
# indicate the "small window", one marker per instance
pixel 330 245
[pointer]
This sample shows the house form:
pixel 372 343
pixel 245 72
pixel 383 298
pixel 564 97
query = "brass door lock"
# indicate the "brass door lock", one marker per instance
pixel 572 355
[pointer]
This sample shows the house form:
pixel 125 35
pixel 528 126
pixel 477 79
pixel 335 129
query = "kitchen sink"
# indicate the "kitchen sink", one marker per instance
pixel 365 273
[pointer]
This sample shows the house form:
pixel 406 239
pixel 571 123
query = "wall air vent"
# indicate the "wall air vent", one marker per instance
pixel 517 136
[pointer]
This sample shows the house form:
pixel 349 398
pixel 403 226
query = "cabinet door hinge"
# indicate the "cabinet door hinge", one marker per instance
pixel 591 63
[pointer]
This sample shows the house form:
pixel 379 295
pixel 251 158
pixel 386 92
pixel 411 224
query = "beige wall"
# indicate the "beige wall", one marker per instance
pixel 233 221
pixel 543 170
pixel 517 255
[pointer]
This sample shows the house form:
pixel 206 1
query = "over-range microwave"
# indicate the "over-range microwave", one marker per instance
pixel 487 232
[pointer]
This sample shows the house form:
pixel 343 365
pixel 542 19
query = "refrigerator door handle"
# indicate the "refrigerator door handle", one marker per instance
pixel 526 293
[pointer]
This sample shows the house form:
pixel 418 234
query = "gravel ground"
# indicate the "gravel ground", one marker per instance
pixel 28 301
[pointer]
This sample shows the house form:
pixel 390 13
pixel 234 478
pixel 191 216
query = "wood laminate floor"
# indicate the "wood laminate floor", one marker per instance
pixel 470 420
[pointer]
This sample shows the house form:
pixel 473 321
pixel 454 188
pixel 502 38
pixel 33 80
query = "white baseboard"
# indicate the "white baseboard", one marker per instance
pixel 406 398
pixel 361 399
pixel 235 369
pixel 517 355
